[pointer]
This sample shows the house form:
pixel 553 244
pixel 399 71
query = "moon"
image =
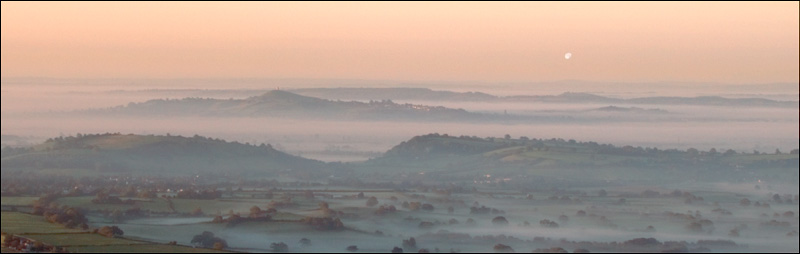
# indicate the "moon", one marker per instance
pixel 568 55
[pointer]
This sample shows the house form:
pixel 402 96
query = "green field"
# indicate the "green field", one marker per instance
pixel 77 240
pixel 7 250
pixel 36 228
pixel 20 223
pixel 18 201
pixel 142 248
pixel 161 205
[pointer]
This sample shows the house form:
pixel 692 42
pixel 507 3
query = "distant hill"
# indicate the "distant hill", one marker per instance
pixel 424 94
pixel 399 93
pixel 463 158
pixel 434 146
pixel 155 154
pixel 290 105
pixel 701 100
pixel 630 110
pixel 14 140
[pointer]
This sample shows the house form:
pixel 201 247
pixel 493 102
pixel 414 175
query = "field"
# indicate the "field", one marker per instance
pixel 36 228
pixel 451 194
pixel 19 223
pixel 142 248
pixel 622 215
pixel 17 201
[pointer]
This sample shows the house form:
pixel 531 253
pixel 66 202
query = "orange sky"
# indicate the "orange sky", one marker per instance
pixel 734 42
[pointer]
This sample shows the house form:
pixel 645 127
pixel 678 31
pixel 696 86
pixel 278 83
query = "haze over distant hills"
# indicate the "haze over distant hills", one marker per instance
pixel 424 94
pixel 289 105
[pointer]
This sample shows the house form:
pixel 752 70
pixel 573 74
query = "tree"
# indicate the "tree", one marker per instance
pixel 352 248
pixel 112 231
pixel 255 212
pixel 694 227
pixel 744 202
pixel 397 250
pixel 218 219
pixel 503 248
pixel 324 223
pixel 219 246
pixel 602 193
pixel 426 224
pixel 500 220
pixel 410 244
pixel 382 210
pixel 413 206
pixel 305 242
pixel 372 201
pixel 551 250
pixel 279 247
pixel 208 240
pixel 548 223
pixel 777 198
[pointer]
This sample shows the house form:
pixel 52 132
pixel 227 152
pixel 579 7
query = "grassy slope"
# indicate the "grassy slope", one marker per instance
pixel 463 156
pixel 113 153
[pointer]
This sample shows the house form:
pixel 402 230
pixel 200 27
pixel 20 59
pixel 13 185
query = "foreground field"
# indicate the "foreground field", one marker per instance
pixel 37 229
pixel 702 220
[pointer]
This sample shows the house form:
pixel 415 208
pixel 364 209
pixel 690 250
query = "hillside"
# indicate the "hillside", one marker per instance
pixel 119 153
pixel 289 105
pixel 450 157
pixel 434 146
pixel 399 93
pixel 630 110
pixel 663 100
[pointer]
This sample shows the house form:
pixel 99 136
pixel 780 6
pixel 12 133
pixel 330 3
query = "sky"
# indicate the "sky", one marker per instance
pixel 728 42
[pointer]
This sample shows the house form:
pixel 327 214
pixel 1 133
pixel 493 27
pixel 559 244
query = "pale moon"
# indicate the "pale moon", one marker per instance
pixel 567 55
